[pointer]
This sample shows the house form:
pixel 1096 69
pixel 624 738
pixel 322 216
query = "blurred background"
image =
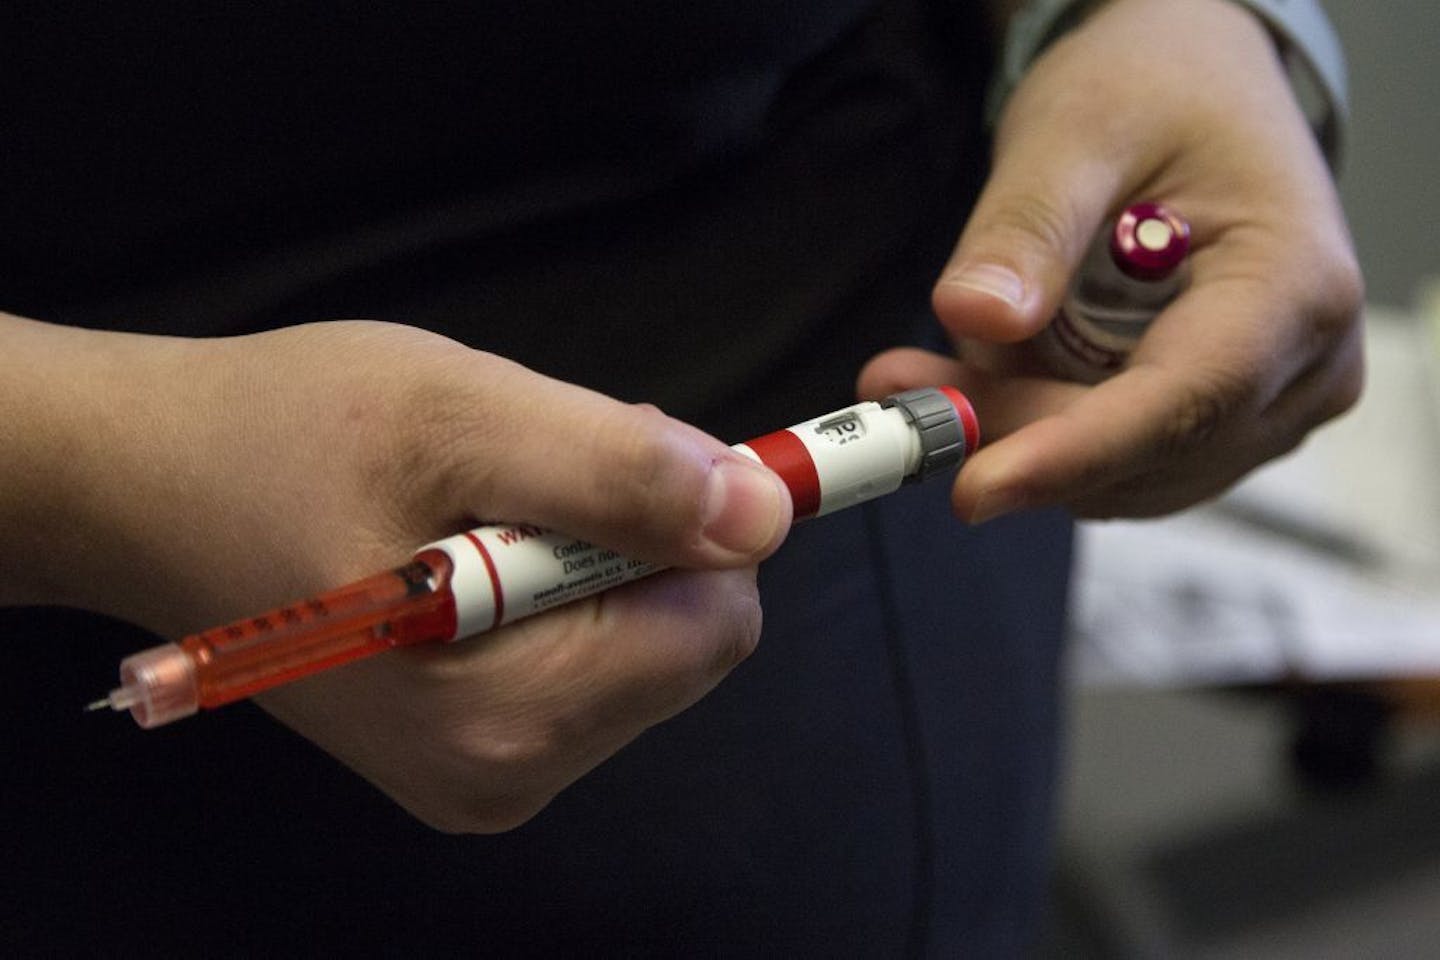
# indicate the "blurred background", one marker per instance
pixel 1254 759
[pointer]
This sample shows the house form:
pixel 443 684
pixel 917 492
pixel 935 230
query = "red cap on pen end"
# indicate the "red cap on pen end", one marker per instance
pixel 1149 241
pixel 969 423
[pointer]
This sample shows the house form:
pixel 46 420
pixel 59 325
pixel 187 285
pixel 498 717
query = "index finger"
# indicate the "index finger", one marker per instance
pixel 1215 359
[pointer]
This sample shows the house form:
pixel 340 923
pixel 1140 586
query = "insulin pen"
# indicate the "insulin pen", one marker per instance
pixel 1129 274
pixel 493 575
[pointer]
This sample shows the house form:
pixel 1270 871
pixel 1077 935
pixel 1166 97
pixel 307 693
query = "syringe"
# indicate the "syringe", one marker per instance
pixel 490 576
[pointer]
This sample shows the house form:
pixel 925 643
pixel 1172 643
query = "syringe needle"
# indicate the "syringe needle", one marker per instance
pixel 121 698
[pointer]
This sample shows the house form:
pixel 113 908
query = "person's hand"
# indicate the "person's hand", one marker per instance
pixel 196 481
pixel 1184 102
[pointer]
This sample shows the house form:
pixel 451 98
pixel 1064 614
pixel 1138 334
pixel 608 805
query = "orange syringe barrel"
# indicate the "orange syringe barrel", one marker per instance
pixel 407 605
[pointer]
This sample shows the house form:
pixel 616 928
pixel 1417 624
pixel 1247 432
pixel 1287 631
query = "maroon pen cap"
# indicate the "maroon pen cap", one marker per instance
pixel 1149 241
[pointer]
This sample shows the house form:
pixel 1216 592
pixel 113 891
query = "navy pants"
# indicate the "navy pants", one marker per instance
pixel 874 781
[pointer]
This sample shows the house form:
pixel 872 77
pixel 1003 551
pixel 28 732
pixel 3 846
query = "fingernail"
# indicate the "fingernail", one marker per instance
pixel 996 503
pixel 992 280
pixel 742 507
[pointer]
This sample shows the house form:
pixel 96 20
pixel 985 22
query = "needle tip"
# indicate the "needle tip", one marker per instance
pixel 97 705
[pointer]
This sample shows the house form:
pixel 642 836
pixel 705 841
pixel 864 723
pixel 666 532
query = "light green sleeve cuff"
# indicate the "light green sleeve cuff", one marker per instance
pixel 1307 43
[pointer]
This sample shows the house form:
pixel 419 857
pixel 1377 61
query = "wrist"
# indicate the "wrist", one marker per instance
pixel 1315 64
pixel 63 410
pixel 1303 37
pixel 35 403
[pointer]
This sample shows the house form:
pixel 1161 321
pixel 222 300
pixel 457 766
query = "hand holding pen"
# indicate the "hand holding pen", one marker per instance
pixel 1184 103
pixel 248 471
pixel 494 575
pixel 345 446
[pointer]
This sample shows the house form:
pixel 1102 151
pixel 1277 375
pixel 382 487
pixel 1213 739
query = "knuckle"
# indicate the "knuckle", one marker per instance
pixel 1335 293
pixel 1201 409
pixel 460 816
pixel 506 764
pixel 711 623
pixel 727 610
pixel 1200 413
pixel 425 459
pixel 1152 495
pixel 743 633
pixel 501 815
pixel 1037 219
pixel 1337 342
pixel 508 755
pixel 643 457
pixel 1283 444
pixel 647 477
pixel 1344 288
pixel 1336 317
pixel 1345 391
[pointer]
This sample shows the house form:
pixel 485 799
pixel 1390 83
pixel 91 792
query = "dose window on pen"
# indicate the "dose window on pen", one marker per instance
pixel 846 428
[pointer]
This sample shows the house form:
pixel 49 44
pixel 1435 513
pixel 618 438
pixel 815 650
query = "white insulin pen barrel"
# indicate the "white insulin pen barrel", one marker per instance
pixel 1131 272
pixel 503 573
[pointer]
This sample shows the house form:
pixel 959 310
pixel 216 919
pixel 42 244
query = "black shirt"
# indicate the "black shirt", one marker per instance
pixel 719 206
pixel 746 188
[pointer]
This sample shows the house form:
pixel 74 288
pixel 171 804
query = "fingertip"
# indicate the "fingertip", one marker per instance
pixel 875 376
pixel 977 494
pixel 904 368
pixel 991 504
pixel 1028 233
pixel 989 301
pixel 1012 474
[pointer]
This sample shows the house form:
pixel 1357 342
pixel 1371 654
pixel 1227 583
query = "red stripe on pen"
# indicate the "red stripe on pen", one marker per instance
pixel 498 593
pixel 785 453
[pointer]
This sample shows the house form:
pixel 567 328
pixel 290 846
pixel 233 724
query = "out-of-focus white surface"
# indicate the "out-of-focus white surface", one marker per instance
pixel 1324 565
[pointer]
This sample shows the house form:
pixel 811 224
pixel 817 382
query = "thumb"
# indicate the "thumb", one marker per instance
pixel 1045 198
pixel 617 474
